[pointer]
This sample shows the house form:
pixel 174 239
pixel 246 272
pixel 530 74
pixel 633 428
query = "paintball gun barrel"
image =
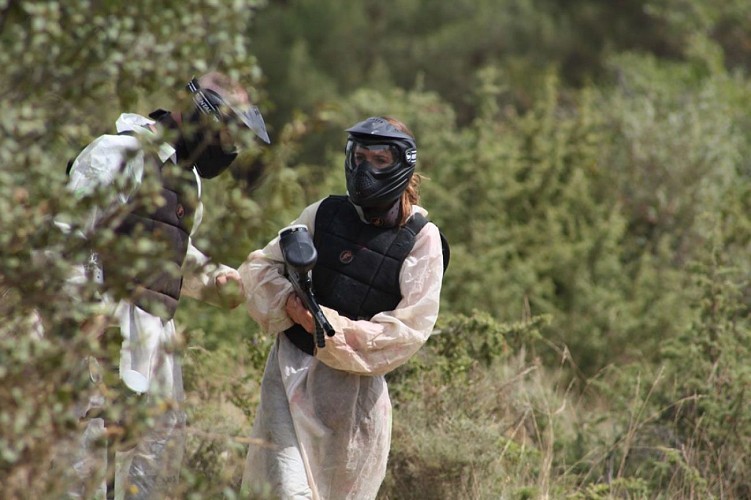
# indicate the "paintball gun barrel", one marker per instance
pixel 300 256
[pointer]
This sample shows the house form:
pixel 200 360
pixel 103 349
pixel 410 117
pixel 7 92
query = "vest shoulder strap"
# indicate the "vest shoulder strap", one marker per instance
pixel 416 223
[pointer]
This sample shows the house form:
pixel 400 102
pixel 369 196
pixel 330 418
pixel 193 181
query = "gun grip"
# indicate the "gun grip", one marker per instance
pixel 320 339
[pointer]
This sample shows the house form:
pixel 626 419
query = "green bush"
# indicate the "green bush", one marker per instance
pixel 594 322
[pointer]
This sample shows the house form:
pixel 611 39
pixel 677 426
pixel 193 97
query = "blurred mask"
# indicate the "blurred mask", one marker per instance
pixel 208 144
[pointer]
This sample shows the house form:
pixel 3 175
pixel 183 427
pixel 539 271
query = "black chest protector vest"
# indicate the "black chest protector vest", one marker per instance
pixel 358 266
pixel 155 286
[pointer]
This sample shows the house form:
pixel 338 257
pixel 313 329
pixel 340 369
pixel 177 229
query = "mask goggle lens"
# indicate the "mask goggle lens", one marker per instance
pixel 380 155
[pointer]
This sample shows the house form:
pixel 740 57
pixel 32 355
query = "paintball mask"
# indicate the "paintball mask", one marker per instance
pixel 205 147
pixel 369 185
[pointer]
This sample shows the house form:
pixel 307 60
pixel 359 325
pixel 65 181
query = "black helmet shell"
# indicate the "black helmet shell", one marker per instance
pixel 368 186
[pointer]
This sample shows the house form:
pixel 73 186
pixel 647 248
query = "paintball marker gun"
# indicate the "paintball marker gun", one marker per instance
pixel 300 256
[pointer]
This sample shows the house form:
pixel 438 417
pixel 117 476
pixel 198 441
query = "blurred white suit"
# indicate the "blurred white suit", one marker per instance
pixel 147 363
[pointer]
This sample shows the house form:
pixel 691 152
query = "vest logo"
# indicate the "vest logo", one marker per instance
pixel 346 257
pixel 180 211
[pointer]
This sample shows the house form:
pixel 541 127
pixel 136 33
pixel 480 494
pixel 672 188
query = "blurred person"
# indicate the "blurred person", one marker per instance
pixel 173 151
pixel 325 412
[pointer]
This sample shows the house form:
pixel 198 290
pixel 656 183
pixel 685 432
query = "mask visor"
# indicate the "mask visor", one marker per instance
pixel 358 151
pixel 251 117
pixel 212 104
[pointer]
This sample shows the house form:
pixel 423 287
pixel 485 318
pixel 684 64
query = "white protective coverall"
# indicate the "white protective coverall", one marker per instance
pixel 145 364
pixel 327 417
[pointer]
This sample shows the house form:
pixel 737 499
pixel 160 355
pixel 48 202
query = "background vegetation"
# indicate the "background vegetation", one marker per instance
pixel 588 161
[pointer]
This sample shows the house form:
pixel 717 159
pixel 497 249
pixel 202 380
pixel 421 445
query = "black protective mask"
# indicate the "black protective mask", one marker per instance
pixel 213 160
pixel 378 188
pixel 202 148
pixel 363 185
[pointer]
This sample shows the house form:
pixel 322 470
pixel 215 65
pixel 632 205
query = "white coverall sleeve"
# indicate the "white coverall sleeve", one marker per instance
pixel 363 347
pixel 390 338
pixel 266 288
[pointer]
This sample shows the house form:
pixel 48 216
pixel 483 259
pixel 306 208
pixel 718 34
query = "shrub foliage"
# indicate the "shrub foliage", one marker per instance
pixel 594 185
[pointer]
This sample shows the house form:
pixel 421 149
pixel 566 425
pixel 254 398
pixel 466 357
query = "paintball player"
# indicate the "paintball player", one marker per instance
pixel 326 410
pixel 172 151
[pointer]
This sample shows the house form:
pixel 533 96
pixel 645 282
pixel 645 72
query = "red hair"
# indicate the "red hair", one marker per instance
pixel 411 195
